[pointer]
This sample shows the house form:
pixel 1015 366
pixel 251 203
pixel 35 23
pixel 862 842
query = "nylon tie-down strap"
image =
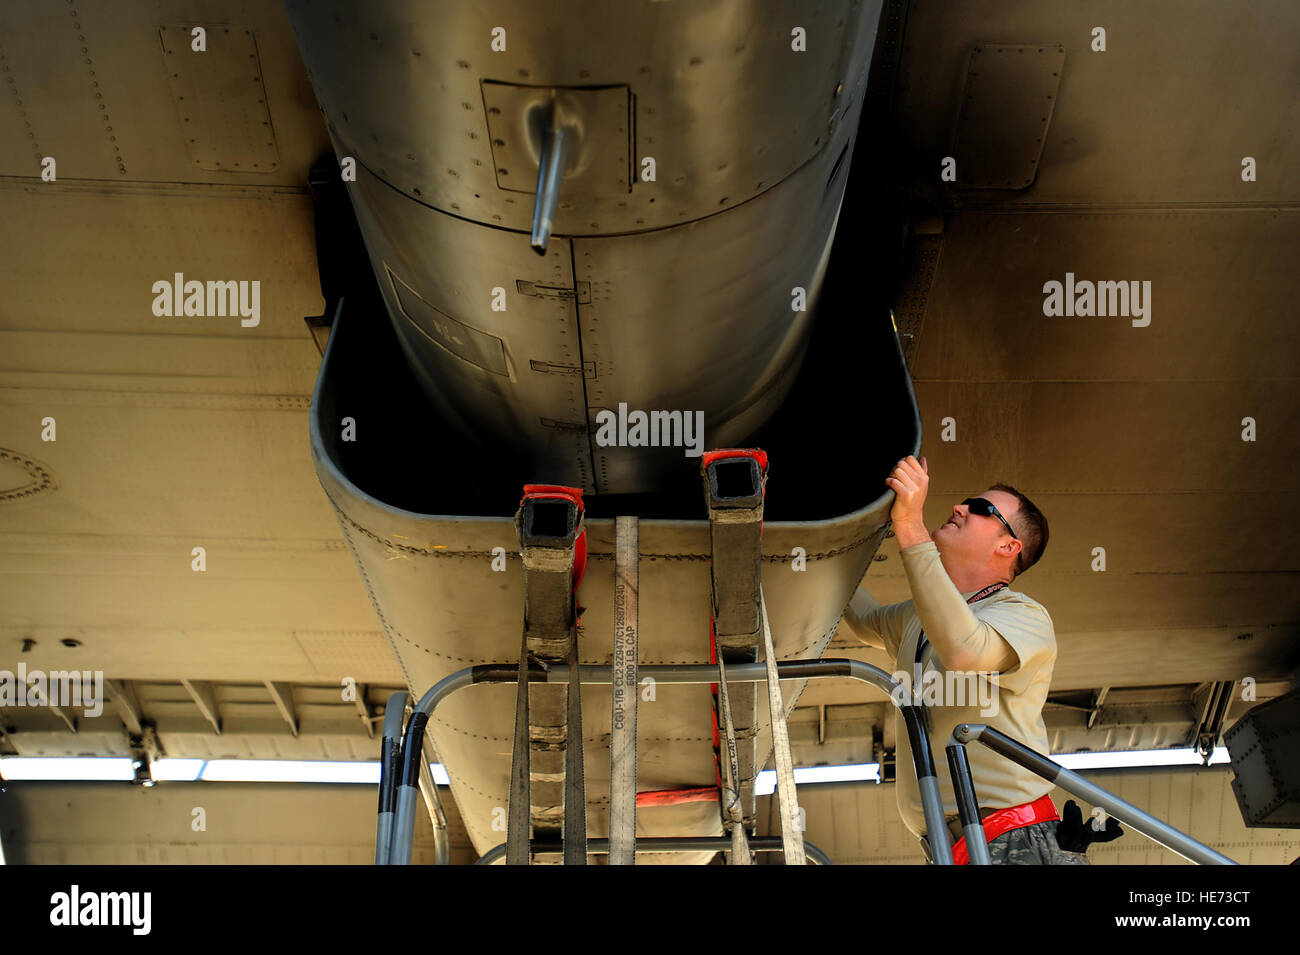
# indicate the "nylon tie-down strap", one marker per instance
pixel 791 818
pixel 575 782
pixel 518 823
pixel 624 693
pixel 740 854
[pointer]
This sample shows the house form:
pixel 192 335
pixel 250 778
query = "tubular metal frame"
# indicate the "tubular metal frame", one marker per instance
pixel 390 754
pixel 670 844
pixel 1154 829
pixel 404 817
pixel 400 835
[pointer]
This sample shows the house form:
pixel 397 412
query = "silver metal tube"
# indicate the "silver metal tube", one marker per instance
pixel 963 784
pixel 433 805
pixel 404 823
pixel 786 791
pixel 383 837
pixel 403 826
pixel 1151 827
pixel 667 673
pixel 977 845
pixel 444 688
pixel 736 673
pixel 935 823
pixel 550 173
pixel 873 675
pixel 932 804
pixel 1127 813
pixel 389 769
pixel 624 696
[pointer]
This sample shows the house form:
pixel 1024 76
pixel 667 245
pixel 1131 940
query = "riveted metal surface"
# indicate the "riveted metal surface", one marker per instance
pixel 220 98
pixel 921 261
pixel 1183 92
pixel 723 102
pixel 723 337
pixel 20 148
pixel 726 348
pixel 469 344
pixel 600 117
pixel 486 384
pixel 23 477
pixel 88 85
pixel 31 69
pixel 1006 111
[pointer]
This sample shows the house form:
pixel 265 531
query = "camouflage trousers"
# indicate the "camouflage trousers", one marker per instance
pixel 1032 845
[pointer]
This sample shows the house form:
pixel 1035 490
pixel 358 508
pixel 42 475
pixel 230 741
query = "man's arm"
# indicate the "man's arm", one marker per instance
pixel 861 618
pixel 875 624
pixel 961 640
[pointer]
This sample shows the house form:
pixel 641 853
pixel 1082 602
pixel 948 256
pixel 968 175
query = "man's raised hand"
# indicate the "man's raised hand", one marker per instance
pixel 910 482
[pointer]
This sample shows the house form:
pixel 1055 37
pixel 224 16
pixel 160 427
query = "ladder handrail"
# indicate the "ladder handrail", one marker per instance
pixel 404 818
pixel 1154 829
pixel 390 758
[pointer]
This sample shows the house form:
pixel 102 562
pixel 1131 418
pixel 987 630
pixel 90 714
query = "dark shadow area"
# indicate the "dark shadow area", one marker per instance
pixel 849 418
pixel 12 824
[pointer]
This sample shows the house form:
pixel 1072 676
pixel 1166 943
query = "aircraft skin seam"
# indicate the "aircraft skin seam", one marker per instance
pixel 588 466
pixel 484 661
pixel 388 628
pixel 479 554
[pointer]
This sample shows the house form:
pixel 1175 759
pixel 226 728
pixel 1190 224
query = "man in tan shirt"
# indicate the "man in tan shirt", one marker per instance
pixel 985 655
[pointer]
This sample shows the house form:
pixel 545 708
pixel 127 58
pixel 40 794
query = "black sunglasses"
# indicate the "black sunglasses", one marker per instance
pixel 986 508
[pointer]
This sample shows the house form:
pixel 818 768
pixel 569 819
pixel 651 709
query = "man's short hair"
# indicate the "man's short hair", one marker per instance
pixel 1031 528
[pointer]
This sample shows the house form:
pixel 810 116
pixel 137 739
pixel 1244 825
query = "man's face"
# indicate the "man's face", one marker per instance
pixel 972 538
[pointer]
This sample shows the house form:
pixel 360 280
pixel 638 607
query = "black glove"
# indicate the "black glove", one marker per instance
pixel 1075 835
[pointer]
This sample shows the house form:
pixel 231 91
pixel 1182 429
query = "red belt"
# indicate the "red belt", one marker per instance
pixel 1004 820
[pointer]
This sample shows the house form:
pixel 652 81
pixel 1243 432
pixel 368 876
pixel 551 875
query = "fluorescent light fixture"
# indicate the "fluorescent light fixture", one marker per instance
pixel 176 770
pixel 289 771
pixel 857 772
pixel 285 771
pixel 96 768
pixel 99 768
pixel 1140 758
pixel 76 768
pixel 765 784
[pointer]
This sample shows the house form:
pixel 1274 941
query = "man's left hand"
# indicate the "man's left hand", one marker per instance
pixel 1075 835
pixel 910 481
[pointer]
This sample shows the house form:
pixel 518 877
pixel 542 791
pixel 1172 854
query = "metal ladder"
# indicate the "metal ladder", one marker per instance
pixel 395 828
